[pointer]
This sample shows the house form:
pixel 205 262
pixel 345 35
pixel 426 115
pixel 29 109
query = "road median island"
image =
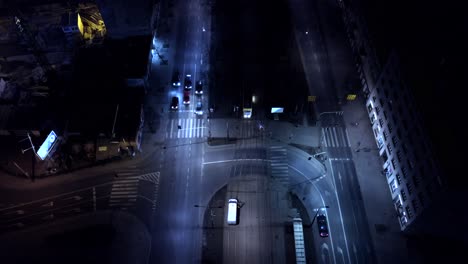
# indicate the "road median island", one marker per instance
pixel 221 141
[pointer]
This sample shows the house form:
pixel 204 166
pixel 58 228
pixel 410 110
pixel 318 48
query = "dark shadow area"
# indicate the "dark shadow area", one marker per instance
pixel 221 141
pixel 437 249
pixel 289 250
pixel 213 228
pixel 253 52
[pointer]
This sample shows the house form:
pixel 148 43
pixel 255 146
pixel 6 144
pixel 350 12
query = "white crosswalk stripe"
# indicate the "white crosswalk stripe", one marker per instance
pixel 124 193
pixel 154 178
pixel 125 189
pixel 189 128
pixel 334 137
pixel 279 164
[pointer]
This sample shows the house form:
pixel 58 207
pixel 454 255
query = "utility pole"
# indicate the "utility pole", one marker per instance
pixel 33 161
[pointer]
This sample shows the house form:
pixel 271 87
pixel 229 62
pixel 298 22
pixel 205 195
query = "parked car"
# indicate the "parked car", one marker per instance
pixel 322 225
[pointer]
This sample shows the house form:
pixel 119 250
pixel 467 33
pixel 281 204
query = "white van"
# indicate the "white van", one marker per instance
pixel 232 212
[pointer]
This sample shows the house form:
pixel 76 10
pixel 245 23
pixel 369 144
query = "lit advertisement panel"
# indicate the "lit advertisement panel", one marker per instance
pixel 47 145
pixel 277 110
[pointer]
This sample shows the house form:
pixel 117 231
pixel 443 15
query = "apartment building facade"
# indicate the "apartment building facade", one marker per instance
pixel 413 175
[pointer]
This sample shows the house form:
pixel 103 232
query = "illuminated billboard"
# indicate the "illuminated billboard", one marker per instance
pixel 277 110
pixel 47 145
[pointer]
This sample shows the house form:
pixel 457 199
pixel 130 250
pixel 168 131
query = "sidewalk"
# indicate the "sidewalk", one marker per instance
pixel 102 237
pixel 389 242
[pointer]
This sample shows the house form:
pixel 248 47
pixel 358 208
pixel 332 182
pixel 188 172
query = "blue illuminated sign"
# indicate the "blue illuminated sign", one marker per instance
pixel 277 110
pixel 47 145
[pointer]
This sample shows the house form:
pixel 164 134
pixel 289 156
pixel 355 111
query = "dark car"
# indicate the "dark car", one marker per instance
pixel 199 88
pixel 176 79
pixel 322 225
pixel 186 97
pixel 188 82
pixel 175 103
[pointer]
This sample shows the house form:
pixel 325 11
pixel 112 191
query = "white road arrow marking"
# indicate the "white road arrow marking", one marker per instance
pixel 48 217
pixel 49 204
pixel 74 210
pixel 339 178
pixel 76 198
pixel 340 251
pixel 355 253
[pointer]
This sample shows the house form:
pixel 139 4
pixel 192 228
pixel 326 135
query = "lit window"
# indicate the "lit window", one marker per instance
pixel 393 186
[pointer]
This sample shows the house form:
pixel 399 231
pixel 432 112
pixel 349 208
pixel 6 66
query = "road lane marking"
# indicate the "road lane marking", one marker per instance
pixel 234 160
pixel 341 214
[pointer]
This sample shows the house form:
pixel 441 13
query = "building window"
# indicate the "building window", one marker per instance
pixel 424 148
pixel 415 205
pixel 406 99
pixel 377 109
pixel 398 153
pixel 398 178
pixel 381 122
pixel 416 156
pixel 374 99
pixel 386 92
pixel 409 212
pixel 385 135
pixel 393 186
pixel 382 103
pixel 395 95
pixel 404 171
pixel 403 195
pixel 385 115
pixel 369 108
pixel 405 150
pixel 394 163
pixel 416 180
pixel 430 195
pixel 390 150
pixel 409 187
pixel 421 172
pixel 390 127
pixel 421 198
pixel 413 115
pixel 395 141
pixel 405 124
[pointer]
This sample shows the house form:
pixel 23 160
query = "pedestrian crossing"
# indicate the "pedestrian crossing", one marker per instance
pixel 153 178
pixel 124 192
pixel 334 137
pixel 279 164
pixel 187 128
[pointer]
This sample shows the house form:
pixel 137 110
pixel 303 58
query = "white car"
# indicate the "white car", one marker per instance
pixel 199 108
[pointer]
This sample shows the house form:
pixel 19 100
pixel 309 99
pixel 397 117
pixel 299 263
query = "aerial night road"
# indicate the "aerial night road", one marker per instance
pixel 207 131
